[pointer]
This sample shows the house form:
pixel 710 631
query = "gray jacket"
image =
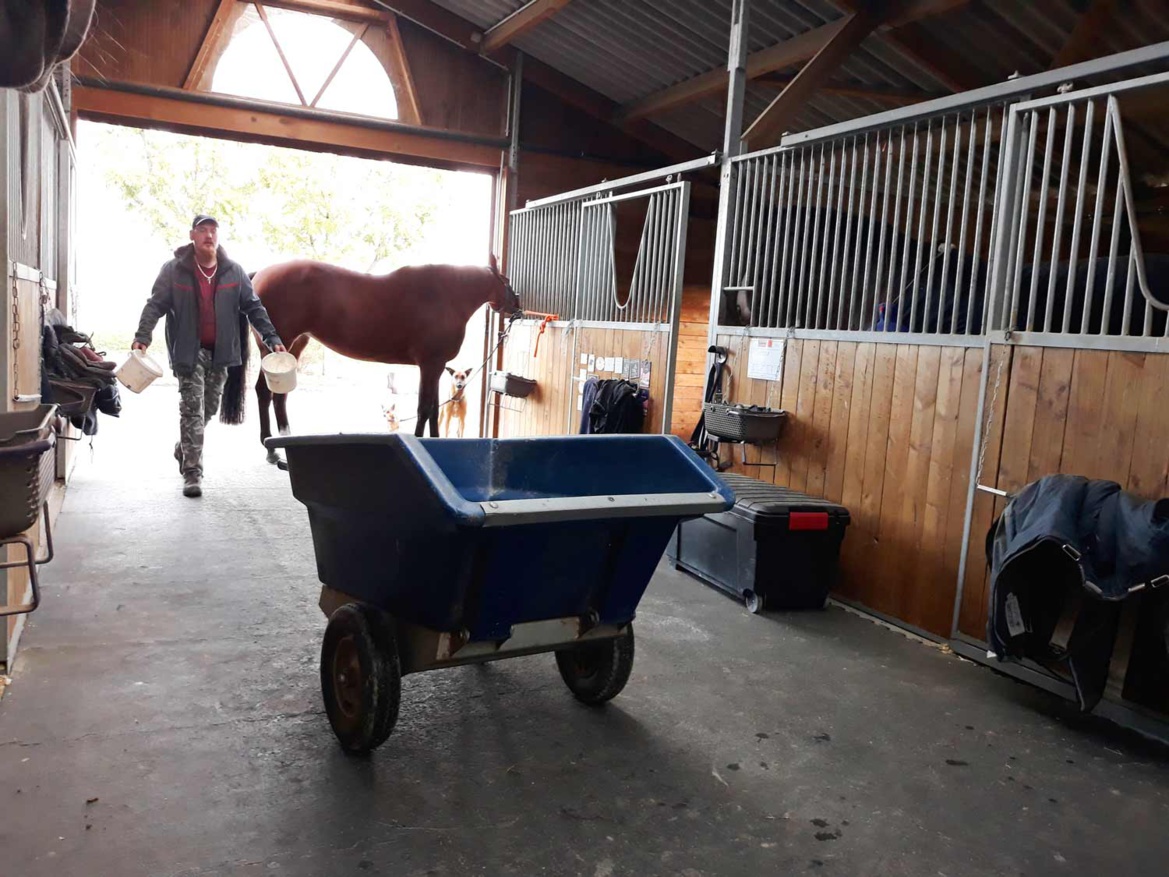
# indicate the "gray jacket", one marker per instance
pixel 176 296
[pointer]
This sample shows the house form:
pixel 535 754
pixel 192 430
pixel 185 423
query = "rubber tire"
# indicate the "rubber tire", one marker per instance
pixel 596 672
pixel 754 602
pixel 366 719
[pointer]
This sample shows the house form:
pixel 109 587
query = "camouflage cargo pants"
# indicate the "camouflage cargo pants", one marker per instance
pixel 199 396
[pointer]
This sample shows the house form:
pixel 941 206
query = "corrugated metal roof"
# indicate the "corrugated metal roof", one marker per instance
pixel 628 49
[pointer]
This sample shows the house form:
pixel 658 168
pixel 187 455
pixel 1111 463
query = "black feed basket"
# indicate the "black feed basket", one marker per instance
pixel 511 385
pixel 743 423
pixel 27 469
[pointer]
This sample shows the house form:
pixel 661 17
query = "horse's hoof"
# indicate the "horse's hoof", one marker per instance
pixel 273 457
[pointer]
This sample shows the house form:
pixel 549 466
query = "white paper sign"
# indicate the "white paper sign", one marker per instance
pixel 765 360
pixel 619 365
pixel 592 362
pixel 584 359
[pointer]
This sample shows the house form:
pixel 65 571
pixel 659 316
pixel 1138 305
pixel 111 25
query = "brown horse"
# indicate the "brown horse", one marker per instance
pixel 416 315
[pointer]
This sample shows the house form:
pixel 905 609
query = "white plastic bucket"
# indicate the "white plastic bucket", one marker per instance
pixel 138 372
pixel 279 372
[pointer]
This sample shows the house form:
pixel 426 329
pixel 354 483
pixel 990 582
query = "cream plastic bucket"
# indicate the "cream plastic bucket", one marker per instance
pixel 279 372
pixel 138 372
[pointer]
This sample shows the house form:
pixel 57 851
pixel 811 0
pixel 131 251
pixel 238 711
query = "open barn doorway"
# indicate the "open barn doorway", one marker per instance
pixel 140 189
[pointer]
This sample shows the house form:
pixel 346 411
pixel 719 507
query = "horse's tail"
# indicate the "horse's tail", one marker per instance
pixel 235 391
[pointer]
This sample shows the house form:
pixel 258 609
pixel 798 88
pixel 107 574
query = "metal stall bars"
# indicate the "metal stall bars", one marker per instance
pixel 1065 280
pixel 873 234
pixel 652 302
pixel 542 256
pixel 880 228
pixel 563 260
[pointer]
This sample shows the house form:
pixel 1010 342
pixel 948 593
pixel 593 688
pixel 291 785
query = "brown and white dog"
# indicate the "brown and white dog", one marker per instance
pixel 455 409
pixel 391 415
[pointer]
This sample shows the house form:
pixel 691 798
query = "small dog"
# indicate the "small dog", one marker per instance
pixel 391 415
pixel 455 408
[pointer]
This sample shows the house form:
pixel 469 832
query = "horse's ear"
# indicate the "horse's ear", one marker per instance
pixel 494 264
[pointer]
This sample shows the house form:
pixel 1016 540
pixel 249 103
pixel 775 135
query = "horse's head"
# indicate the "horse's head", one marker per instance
pixel 503 297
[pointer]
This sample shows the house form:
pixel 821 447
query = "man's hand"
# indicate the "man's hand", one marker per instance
pixel 279 348
pixel 138 345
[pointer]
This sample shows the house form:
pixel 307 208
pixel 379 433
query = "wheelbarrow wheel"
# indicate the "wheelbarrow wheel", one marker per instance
pixel 361 679
pixel 596 672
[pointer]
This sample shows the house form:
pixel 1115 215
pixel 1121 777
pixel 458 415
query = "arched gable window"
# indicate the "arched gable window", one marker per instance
pixel 308 60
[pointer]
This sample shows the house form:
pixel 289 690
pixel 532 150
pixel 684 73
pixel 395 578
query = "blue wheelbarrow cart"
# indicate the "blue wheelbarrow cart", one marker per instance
pixel 442 552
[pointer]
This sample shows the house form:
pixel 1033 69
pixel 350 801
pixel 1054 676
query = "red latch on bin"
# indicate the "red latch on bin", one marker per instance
pixel 807 521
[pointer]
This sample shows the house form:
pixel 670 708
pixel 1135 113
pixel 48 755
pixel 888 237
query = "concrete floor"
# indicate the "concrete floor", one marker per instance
pixel 165 719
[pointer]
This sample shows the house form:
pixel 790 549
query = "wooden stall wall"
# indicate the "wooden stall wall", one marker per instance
pixel 1095 413
pixel 886 430
pixel 555 366
pixel 34 250
pixel 693 332
pixel 545 411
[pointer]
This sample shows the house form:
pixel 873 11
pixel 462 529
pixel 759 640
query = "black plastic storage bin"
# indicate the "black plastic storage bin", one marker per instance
pixel 775 549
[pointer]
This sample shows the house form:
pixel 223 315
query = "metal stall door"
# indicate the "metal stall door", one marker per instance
pixel 650 302
pixel 1076 329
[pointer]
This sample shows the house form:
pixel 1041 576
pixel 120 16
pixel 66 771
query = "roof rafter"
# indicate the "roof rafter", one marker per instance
pixel 796 50
pixel 461 32
pixel 520 22
pixel 1088 32
pixel 770 123
pixel 895 96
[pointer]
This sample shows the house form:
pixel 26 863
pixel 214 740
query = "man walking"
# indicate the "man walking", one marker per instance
pixel 201 293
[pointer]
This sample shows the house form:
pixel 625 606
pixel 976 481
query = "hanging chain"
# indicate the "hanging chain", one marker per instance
pixel 15 314
pixel 998 380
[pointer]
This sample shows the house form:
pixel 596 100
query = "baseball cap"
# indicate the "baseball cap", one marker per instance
pixel 202 218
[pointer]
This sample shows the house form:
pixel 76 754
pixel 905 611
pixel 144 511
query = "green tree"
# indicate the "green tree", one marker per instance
pixel 289 203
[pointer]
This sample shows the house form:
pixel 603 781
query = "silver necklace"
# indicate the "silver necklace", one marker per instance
pixel 206 276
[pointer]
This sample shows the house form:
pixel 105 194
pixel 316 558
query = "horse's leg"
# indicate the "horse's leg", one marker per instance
pixel 280 400
pixel 428 398
pixel 264 398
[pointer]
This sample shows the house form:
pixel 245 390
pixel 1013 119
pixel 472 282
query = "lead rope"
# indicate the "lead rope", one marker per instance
pixel 990 415
pixel 477 368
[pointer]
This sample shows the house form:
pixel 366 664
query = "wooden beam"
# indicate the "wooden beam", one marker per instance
pixel 895 96
pixel 211 41
pixel 403 77
pixel 913 40
pixel 357 35
pixel 789 53
pixel 345 10
pixel 174 110
pixel 786 54
pixel 433 17
pixel 461 32
pixel 520 22
pixel 779 113
pixel 280 51
pixel 1087 35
